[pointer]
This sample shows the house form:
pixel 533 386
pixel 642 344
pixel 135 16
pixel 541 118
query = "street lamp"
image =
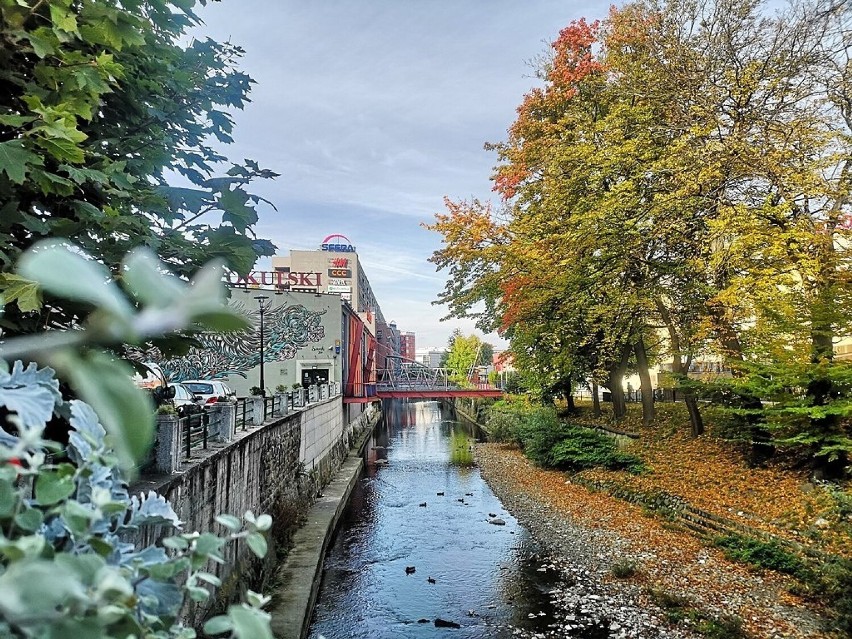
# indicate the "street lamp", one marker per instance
pixel 262 306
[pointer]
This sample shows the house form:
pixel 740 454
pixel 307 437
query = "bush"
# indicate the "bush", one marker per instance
pixel 503 422
pixel 724 627
pixel 67 570
pixel 66 567
pixel 831 581
pixel 552 443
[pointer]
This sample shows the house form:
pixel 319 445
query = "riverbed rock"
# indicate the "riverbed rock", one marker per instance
pixel 496 521
pixel 443 623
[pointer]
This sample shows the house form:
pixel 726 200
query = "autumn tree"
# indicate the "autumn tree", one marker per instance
pixel 681 172
pixel 110 121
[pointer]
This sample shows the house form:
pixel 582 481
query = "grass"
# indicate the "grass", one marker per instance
pixel 461 449
pixel 763 554
pixel 624 568
pixel 679 608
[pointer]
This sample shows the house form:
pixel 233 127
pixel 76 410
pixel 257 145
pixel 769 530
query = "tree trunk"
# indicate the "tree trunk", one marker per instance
pixel 596 401
pixel 695 420
pixel 696 424
pixel 616 379
pixel 820 389
pixel 569 397
pixel 645 382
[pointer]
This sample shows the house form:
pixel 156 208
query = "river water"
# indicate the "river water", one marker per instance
pixel 421 505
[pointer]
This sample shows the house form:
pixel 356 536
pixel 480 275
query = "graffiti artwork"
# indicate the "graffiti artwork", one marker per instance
pixel 287 329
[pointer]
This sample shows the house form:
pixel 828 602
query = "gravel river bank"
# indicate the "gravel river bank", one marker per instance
pixel 681 588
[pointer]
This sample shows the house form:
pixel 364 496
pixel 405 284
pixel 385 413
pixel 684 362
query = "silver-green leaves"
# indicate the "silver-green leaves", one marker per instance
pixel 148 303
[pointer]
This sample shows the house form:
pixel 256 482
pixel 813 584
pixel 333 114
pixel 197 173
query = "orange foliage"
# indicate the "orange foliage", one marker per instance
pixel 574 59
pixel 713 475
pixel 671 560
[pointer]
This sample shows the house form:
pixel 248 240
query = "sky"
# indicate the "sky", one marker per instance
pixel 373 111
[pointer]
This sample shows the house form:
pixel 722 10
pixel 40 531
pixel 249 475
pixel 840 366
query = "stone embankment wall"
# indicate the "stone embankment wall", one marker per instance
pixel 278 468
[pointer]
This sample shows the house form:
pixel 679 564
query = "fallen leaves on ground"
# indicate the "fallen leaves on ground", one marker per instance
pixel 670 559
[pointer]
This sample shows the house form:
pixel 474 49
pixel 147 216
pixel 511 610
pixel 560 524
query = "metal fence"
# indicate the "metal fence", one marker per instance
pixel 194 432
pixel 660 395
pixel 283 403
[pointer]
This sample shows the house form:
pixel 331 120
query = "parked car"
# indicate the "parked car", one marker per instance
pixel 210 391
pixel 150 377
pixel 185 401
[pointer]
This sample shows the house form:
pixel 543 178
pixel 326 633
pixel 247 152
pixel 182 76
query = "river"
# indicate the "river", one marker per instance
pixel 422 505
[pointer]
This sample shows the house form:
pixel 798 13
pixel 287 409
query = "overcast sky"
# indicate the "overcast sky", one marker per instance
pixel 373 111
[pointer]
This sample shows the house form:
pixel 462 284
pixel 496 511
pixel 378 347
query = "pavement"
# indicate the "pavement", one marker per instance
pixel 298 579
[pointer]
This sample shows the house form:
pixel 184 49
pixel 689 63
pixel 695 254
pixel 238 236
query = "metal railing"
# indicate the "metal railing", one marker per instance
pixel 194 432
pixel 283 403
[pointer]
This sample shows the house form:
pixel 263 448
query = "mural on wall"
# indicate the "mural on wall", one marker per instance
pixel 286 329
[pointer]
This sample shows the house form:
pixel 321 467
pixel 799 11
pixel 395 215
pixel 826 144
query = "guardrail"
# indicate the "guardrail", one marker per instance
pixel 194 432
pixel 279 404
pixel 178 437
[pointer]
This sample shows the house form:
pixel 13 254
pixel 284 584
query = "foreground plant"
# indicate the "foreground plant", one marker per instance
pixel 66 567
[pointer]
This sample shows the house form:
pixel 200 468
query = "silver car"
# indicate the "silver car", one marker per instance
pixel 210 391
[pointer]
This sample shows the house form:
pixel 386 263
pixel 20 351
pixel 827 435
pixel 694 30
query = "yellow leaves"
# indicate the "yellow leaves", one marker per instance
pixel 713 475
pixel 673 560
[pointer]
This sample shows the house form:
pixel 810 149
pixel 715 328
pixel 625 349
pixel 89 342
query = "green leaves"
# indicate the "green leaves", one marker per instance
pixel 51 587
pixel 257 543
pixel 29 393
pixel 15 160
pixel 53 486
pixel 74 172
pixel 124 410
pixel 61 270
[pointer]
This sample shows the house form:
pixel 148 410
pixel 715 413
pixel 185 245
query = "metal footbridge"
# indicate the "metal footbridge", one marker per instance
pixel 404 379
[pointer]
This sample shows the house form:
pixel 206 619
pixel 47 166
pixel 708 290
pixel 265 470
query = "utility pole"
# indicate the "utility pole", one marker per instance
pixel 261 299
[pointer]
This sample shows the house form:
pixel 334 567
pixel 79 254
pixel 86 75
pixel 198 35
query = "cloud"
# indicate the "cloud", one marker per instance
pixel 373 111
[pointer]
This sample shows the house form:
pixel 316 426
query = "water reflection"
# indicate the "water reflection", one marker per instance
pixel 421 505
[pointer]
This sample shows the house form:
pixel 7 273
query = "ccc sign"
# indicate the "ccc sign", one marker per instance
pixel 339 272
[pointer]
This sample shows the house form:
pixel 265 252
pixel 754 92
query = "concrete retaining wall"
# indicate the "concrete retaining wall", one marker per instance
pixel 276 468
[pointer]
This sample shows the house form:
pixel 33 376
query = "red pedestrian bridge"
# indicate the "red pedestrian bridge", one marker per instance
pixel 410 380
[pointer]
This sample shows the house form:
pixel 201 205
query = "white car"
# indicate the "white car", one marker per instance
pixel 210 391
pixel 185 402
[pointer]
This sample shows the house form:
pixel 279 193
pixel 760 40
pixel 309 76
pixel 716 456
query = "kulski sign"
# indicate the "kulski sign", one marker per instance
pixel 337 243
pixel 279 279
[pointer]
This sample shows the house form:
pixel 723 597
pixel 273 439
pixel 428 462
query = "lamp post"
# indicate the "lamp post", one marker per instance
pixel 261 303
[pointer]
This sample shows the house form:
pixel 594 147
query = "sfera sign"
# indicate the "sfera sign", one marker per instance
pixel 338 244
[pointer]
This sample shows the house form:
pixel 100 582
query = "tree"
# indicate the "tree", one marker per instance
pixel 108 121
pixel 681 172
pixel 463 355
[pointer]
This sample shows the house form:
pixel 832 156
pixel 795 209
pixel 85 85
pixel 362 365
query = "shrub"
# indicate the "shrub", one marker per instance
pixel 66 568
pixel 724 627
pixel 503 423
pixel 831 581
pixel 551 443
